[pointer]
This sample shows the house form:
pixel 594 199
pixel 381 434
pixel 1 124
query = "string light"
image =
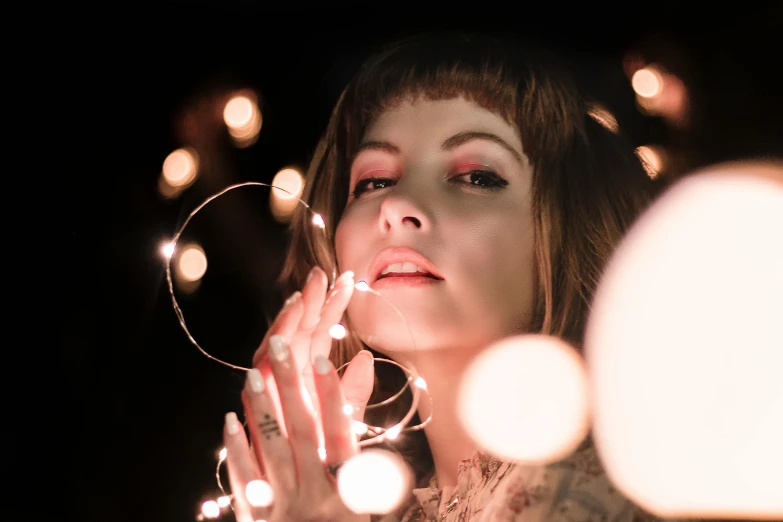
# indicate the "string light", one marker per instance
pixel 259 493
pixel 373 434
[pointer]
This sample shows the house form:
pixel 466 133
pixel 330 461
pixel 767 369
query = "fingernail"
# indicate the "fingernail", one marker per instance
pixel 322 365
pixel 232 423
pixel 255 380
pixel 310 275
pixel 345 279
pixel 291 300
pixel 278 348
pixel 366 353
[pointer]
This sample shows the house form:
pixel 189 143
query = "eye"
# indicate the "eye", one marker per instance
pixel 370 184
pixel 485 179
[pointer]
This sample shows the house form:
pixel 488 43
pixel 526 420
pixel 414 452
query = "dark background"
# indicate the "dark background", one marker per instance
pixel 145 409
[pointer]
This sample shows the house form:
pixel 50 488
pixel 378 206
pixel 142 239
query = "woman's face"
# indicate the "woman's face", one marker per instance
pixel 439 223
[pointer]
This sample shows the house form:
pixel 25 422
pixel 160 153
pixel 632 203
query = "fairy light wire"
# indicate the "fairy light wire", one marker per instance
pixel 173 245
pixel 380 433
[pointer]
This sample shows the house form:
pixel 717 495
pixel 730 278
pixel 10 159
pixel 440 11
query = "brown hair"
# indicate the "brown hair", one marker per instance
pixel 588 185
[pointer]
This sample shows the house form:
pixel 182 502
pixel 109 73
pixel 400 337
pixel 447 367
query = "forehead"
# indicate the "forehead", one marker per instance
pixel 421 121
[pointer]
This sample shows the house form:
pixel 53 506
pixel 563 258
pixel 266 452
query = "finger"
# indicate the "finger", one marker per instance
pixel 333 311
pixel 299 420
pixel 357 383
pixel 241 470
pixel 339 439
pixel 269 441
pixel 313 296
pixel 285 324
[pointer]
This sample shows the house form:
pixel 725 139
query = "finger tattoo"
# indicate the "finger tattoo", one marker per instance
pixel 269 427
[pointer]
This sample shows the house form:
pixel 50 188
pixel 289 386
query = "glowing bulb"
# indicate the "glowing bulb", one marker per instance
pixel 348 409
pixel 168 250
pixel 288 184
pixel 259 493
pixel 318 221
pixel 223 454
pixel 374 481
pixel 243 119
pixel 544 412
pixel 322 453
pixel 224 501
pixel 652 158
pixel 393 433
pixel 421 383
pixel 210 509
pixel 192 263
pixel 692 298
pixel 359 427
pixel 647 82
pixel 238 112
pixel 180 167
pixel 362 286
pixel 604 117
pixel 337 331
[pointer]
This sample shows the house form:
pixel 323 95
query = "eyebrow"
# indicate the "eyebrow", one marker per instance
pixel 451 143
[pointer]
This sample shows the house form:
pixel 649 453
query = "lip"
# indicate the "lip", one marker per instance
pixel 402 255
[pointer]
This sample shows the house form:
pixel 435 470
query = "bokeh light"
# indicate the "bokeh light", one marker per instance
pixel 544 414
pixel 210 509
pixel 243 119
pixel 604 117
pixel 684 350
pixel 259 493
pixel 284 202
pixel 373 482
pixel 647 82
pixel 180 167
pixel 653 159
pixel 192 263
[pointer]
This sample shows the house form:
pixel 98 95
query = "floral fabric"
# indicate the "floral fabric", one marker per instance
pixel 575 489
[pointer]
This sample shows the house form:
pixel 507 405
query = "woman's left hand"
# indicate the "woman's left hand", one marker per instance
pixel 285 438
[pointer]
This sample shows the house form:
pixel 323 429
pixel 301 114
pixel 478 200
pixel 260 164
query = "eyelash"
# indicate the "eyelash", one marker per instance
pixel 496 182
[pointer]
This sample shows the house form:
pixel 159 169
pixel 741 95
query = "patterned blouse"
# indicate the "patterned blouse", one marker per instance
pixel 575 489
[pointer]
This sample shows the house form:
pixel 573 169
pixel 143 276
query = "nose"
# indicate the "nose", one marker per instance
pixel 399 211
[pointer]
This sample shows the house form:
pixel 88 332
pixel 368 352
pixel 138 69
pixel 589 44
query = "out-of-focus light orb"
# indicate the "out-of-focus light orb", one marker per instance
pixel 290 181
pixel 192 263
pixel 647 82
pixel 337 331
pixel 604 117
pixel 685 349
pixel 318 221
pixel 373 482
pixel 652 158
pixel 167 250
pixel 238 112
pixel 322 453
pixel 348 409
pixel 223 454
pixel 259 493
pixel 243 119
pixel 525 399
pixel 287 187
pixel 359 428
pixel 224 501
pixel 210 509
pixel 362 286
pixel 180 167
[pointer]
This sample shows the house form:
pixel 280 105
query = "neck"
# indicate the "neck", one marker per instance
pixel 442 370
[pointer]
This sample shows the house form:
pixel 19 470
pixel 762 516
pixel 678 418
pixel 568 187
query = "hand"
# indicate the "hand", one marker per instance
pixel 284 431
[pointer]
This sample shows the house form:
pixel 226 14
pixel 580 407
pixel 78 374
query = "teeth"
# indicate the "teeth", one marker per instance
pixel 403 268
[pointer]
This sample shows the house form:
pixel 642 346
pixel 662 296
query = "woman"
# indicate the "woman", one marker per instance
pixel 463 180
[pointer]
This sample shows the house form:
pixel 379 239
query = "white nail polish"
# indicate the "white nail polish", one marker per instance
pixel 291 300
pixel 346 278
pixel 256 380
pixel 232 423
pixel 322 365
pixel 278 348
